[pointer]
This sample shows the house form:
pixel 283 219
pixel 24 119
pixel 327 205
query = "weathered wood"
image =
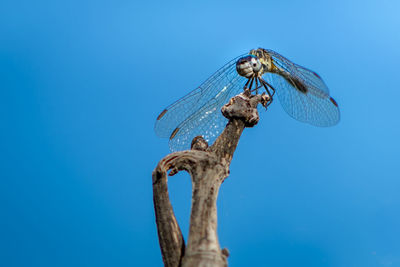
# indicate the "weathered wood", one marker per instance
pixel 169 234
pixel 208 168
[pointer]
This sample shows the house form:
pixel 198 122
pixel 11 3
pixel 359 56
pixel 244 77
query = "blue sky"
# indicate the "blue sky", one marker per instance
pixel 81 83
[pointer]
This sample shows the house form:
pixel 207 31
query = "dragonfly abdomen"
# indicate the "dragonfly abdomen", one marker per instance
pixel 298 84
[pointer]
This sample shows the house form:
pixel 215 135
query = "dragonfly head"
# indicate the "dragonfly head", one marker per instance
pixel 248 66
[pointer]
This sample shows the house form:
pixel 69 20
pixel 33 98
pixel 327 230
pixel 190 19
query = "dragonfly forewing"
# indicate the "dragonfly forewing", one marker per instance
pixel 198 113
pixel 208 121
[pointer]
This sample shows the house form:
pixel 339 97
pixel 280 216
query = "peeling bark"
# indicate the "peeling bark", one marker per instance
pixel 208 168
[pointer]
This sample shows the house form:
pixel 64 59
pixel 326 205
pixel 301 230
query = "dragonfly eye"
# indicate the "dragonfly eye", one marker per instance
pixel 248 66
pixel 256 64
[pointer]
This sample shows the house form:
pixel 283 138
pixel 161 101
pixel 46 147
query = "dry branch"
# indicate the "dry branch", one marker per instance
pixel 208 168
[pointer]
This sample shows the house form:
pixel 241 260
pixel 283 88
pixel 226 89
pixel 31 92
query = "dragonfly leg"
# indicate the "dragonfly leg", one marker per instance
pixel 247 83
pixel 256 86
pixel 270 86
pixel 266 85
pixel 251 83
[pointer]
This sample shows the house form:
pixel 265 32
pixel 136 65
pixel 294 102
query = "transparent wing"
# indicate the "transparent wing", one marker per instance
pixel 194 114
pixel 302 93
pixel 207 121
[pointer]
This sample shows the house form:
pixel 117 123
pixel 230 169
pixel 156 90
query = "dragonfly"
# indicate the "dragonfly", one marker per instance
pixel 301 92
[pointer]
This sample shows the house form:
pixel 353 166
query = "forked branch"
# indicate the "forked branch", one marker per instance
pixel 208 168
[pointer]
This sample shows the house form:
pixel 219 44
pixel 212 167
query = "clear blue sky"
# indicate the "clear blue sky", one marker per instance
pixel 81 83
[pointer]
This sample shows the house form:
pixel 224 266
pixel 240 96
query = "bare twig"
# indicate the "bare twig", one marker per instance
pixel 208 168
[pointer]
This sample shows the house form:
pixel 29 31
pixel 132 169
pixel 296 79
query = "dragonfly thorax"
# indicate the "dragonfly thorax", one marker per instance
pixel 248 66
